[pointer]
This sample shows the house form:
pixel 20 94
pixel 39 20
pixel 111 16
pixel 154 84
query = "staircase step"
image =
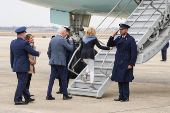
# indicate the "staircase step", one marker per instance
pixel 98 62
pixel 136 33
pixel 88 82
pixel 154 2
pixel 97 77
pixel 151 10
pixel 84 92
pixel 107 60
pixel 102 55
pixel 146 13
pixel 155 5
pixel 82 84
pixel 141 20
pixel 97 69
pixel 145 17
pixel 140 24
pixel 136 29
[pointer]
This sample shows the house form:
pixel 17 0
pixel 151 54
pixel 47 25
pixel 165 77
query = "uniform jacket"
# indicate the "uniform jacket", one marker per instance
pixel 166 46
pixel 69 54
pixel 32 67
pixel 87 47
pixel 19 50
pixel 126 54
pixel 57 50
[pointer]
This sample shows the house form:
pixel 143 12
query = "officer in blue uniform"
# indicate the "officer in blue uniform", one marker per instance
pixel 164 52
pixel 19 50
pixel 125 60
pixel 69 54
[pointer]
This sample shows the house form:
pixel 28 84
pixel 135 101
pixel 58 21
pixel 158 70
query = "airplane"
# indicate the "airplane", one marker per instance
pixel 150 27
pixel 76 14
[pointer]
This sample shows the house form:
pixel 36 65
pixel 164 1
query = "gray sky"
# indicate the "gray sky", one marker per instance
pixel 18 13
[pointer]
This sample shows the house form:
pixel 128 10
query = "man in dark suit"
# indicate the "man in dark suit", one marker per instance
pixel 19 50
pixel 125 60
pixel 164 52
pixel 56 53
pixel 68 57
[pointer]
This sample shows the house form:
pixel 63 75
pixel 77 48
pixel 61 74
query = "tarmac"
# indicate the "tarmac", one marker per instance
pixel 149 92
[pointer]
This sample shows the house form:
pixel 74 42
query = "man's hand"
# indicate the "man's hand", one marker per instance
pixel 39 52
pixel 82 60
pixel 129 67
pixel 111 48
pixel 70 38
pixel 115 33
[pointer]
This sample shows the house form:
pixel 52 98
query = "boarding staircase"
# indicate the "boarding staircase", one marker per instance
pixel 150 26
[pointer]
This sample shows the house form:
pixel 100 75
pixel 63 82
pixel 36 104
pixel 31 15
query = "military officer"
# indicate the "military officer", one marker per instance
pixel 125 59
pixel 164 52
pixel 19 50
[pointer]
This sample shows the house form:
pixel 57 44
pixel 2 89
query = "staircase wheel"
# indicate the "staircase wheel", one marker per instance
pixel 98 97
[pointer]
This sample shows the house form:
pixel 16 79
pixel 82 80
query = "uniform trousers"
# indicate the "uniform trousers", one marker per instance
pixel 21 87
pixel 164 56
pixel 90 68
pixel 58 71
pixel 123 90
pixel 68 77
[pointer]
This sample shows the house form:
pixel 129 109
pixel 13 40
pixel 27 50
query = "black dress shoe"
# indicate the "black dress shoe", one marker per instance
pixel 50 98
pixel 59 92
pixel 124 100
pixel 20 103
pixel 118 99
pixel 29 100
pixel 66 97
pixel 163 60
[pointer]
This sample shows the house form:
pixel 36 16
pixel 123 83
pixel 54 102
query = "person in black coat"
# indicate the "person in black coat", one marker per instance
pixel 164 52
pixel 87 53
pixel 125 60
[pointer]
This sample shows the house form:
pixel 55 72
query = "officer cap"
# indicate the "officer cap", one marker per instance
pixel 67 29
pixel 21 30
pixel 124 26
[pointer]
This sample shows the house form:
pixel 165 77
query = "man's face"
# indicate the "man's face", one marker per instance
pixel 123 31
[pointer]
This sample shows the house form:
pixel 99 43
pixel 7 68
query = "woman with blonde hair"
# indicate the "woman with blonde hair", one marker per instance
pixel 87 53
pixel 32 59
